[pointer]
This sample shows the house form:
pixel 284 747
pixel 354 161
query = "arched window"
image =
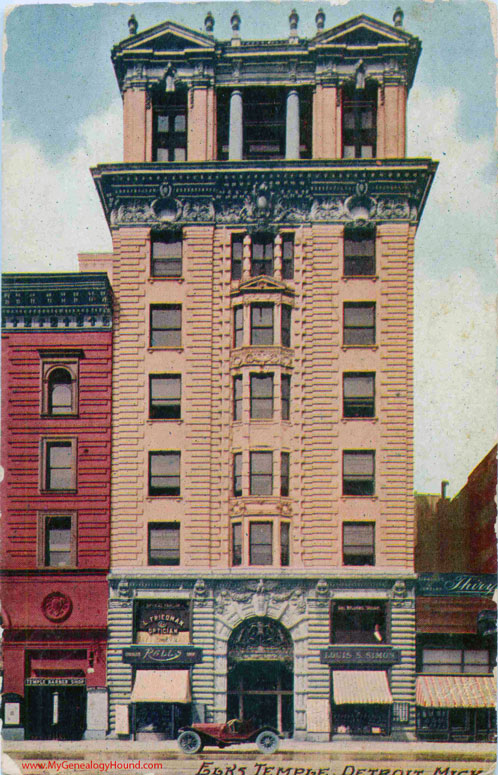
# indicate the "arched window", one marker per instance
pixel 60 392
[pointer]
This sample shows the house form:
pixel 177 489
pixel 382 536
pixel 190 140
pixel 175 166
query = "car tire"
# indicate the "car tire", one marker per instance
pixel 190 742
pixel 267 741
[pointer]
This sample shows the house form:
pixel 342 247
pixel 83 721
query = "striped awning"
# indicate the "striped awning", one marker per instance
pixel 161 686
pixel 361 687
pixel 456 691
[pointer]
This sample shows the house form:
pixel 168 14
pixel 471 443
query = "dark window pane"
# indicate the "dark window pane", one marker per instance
pixel 359 395
pixel 359 253
pixel 288 256
pixel 261 324
pixel 284 473
pixel 359 323
pixel 59 466
pixel 237 474
pixel 261 396
pixel 58 541
pixel 165 396
pixel 238 327
pixel 261 475
pixel 284 543
pixel 285 395
pixel 164 473
pixel 166 326
pixel 260 543
pixel 358 622
pixel 170 127
pixel 164 543
pixel 167 256
pixel 237 544
pixel 358 473
pixel 237 398
pixel 285 326
pixel 237 255
pixel 358 543
pixel 262 255
pixel 60 392
pixel 359 122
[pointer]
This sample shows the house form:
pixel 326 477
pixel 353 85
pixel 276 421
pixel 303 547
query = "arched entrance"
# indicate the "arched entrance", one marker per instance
pixel 260 674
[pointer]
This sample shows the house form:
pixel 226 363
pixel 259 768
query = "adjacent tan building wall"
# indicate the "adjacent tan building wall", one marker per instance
pixel 134 126
pixel 391 122
pixel 201 124
pixel 327 142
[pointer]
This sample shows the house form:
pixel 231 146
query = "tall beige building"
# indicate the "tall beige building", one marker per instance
pixel 263 225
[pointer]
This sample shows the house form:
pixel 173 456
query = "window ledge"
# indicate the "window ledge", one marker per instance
pixel 72 491
pixel 363 497
pixel 372 347
pixel 169 349
pixel 177 498
pixel 153 420
pixel 177 278
pixel 362 419
pixel 372 277
pixel 67 416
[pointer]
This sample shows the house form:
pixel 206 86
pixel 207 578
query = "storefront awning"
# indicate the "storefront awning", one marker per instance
pixel 363 687
pixel 456 691
pixel 161 686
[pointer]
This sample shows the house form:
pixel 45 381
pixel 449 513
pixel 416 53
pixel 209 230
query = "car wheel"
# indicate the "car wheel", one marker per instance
pixel 267 741
pixel 190 742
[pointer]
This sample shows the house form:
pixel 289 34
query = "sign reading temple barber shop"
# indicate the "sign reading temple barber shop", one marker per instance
pixel 438 584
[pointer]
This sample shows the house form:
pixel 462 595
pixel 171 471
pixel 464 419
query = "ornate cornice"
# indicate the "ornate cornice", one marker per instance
pixel 270 194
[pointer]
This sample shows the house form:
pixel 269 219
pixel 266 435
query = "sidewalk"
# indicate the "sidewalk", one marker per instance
pixel 382 750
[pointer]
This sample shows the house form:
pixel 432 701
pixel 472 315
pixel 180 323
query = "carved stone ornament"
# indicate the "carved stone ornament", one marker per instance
pixel 260 638
pixel 200 592
pixel 263 357
pixel 261 595
pixel 57 607
pixel 124 589
pixel 322 592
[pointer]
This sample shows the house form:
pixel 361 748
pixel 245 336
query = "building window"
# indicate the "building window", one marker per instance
pixel 359 253
pixel 261 473
pixel 57 540
pixel 166 325
pixel 164 473
pixel 237 255
pixel 166 255
pixel 284 544
pixel 238 327
pixel 264 123
pixel 237 544
pixel 60 373
pixel 60 392
pixel 170 129
pixel 359 122
pixel 287 256
pixel 260 543
pixel 165 396
pixel 358 394
pixel 261 323
pixel 237 397
pixel 285 396
pixel 284 473
pixel 237 474
pixel 358 543
pixel 285 326
pixel 359 323
pixel 354 621
pixel 447 661
pixel 261 396
pixel 164 543
pixel 262 255
pixel 59 461
pixel 358 472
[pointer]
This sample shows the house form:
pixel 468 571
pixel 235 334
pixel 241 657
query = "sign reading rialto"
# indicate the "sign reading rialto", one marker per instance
pixel 436 584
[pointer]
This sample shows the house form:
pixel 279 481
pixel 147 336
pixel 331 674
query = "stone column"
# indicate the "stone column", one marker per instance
pixel 235 129
pixel 292 126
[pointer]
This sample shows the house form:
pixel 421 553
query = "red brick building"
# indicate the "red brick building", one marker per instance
pixel 56 404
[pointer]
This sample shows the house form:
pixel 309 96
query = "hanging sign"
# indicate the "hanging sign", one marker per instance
pixel 456 584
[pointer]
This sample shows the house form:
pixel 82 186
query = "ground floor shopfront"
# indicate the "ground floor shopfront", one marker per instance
pixel 312 656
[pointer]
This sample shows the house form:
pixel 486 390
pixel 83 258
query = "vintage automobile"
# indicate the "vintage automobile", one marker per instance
pixel 193 739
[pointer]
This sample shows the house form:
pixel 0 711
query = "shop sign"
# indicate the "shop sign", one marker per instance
pixel 162 621
pixel 55 682
pixel 457 584
pixel 351 656
pixel 160 655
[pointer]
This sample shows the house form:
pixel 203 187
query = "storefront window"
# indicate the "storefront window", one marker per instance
pixel 358 622
pixel 162 621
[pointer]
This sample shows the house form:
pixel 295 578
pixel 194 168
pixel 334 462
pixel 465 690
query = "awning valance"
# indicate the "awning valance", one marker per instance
pixel 456 691
pixel 361 687
pixel 161 686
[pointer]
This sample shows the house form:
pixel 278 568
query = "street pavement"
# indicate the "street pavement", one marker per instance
pixel 383 757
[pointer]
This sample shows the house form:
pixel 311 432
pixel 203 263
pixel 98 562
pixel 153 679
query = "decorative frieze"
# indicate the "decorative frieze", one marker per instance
pixel 262 356
pixel 282 194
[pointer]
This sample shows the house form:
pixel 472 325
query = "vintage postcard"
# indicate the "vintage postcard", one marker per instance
pixel 249 388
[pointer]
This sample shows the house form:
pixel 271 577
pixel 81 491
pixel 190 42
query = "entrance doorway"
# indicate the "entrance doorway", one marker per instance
pixel 55 712
pixel 260 678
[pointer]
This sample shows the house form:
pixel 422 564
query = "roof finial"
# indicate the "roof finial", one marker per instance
pixel 235 22
pixel 398 17
pixel 209 23
pixel 320 19
pixel 132 25
pixel 293 22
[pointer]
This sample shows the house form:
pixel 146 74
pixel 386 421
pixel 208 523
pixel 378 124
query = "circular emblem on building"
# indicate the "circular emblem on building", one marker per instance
pixel 57 607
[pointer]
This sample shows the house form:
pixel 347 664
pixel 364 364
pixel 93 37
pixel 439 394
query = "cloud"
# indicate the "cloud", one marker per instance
pixel 51 210
pixel 455 379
